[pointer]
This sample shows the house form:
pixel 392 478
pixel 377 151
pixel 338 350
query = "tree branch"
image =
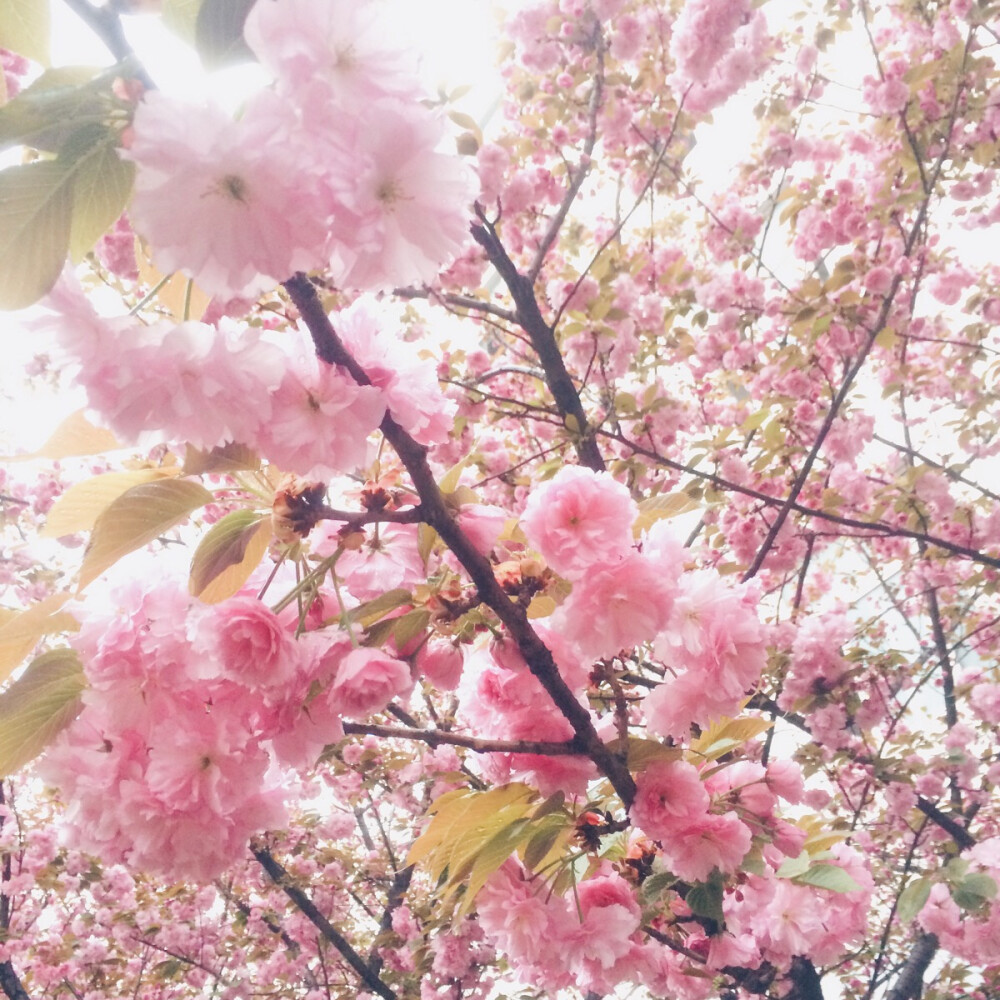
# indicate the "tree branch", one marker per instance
pixel 10 983
pixel 397 893
pixel 436 513
pixel 543 340
pixel 283 880
pixel 106 24
pixel 910 984
pixel 436 738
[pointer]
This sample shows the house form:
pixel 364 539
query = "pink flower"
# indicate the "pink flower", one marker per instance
pixel 408 382
pixel 483 523
pixel 402 206
pixel 580 519
pixel 706 843
pixel 320 422
pixel 250 642
pixel 441 663
pixel 669 795
pixel 340 43
pixel 617 608
pixel 366 681
pixel 214 197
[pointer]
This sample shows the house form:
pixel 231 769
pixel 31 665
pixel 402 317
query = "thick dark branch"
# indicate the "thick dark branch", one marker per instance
pixel 397 893
pixel 958 833
pixel 330 933
pixel 910 984
pixel 107 25
pixel 436 738
pixel 10 983
pixel 543 340
pixel 436 513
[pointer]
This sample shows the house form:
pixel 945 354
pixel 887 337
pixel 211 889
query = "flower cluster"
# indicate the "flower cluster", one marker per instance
pixel 336 164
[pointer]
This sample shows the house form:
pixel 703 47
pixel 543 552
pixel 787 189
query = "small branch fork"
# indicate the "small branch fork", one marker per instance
pixel 413 455
pixel 543 340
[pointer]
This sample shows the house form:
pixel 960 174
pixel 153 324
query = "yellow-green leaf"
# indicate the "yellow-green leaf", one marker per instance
pixel 727 734
pixel 75 436
pixel 36 202
pixel 488 859
pixel 456 815
pixel 80 506
pixel 642 753
pixel 181 16
pixel 24 28
pixel 101 190
pixel 137 517
pixel 541 606
pixel 21 630
pixel 42 702
pixel 227 457
pixel 657 508
pixel 230 551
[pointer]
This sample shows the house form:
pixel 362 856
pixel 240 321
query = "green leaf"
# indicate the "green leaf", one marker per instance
pixel 407 627
pixel 137 517
pixel 103 183
pixel 83 503
pixel 52 107
pixel 552 804
pixel 36 203
pixel 974 891
pixel 912 898
pixel 794 867
pixel 705 900
pixel 226 556
pixel 42 702
pixel 657 883
pixel 24 28
pixel 227 457
pixel 544 838
pixel 830 877
pixel 218 32
pixel 371 611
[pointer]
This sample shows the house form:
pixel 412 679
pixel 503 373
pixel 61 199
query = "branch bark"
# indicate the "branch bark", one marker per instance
pixel 543 340
pixel 436 738
pixel 10 983
pixel 910 984
pixel 283 880
pixel 436 513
